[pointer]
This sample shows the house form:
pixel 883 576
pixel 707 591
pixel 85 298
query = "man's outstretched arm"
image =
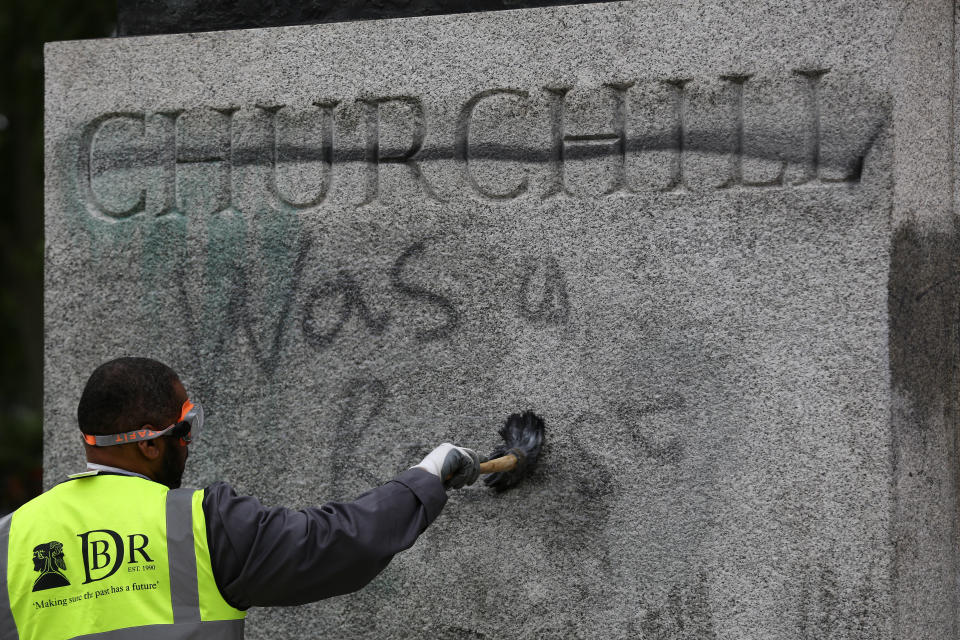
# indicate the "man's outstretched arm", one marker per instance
pixel 274 556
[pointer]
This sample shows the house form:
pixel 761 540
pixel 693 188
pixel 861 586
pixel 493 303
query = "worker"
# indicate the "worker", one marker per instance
pixel 121 551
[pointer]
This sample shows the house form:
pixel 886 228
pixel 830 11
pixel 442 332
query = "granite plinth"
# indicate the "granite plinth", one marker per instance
pixel 714 246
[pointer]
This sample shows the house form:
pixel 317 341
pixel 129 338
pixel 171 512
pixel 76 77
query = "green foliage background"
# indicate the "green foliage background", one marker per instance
pixel 24 26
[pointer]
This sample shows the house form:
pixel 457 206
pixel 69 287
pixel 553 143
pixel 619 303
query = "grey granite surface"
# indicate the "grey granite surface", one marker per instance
pixel 713 244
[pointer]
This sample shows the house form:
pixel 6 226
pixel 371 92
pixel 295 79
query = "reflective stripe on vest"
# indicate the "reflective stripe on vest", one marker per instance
pixel 184 594
pixel 118 557
pixel 8 630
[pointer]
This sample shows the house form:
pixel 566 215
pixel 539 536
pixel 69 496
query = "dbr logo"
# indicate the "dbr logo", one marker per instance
pixel 104 552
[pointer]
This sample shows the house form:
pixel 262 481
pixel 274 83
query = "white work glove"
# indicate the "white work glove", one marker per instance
pixel 455 466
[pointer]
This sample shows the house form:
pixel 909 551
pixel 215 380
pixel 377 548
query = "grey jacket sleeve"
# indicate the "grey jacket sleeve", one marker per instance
pixel 274 556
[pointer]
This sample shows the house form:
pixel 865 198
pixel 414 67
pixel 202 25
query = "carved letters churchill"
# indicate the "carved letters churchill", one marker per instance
pixel 614 123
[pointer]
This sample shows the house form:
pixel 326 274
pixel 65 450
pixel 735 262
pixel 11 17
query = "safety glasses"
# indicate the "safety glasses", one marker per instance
pixel 186 429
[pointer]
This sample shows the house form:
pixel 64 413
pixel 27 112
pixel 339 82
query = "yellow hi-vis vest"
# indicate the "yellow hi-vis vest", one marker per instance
pixel 111 557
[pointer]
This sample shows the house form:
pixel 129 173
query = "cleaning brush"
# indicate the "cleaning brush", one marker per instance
pixel 511 461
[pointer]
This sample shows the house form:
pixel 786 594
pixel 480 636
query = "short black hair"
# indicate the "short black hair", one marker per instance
pixel 127 393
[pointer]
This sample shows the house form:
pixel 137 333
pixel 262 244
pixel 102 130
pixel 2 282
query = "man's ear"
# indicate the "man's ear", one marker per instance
pixel 149 449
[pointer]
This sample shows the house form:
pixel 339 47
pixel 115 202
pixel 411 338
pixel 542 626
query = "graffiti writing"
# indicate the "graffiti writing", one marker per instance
pixel 654 446
pixel 363 400
pixel 833 608
pixel 342 293
pixel 686 615
pixel 346 289
pixel 424 295
pixel 553 306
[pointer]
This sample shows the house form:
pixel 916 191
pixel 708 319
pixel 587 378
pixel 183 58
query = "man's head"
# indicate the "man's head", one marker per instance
pixel 126 394
pixel 48 557
pixel 40 558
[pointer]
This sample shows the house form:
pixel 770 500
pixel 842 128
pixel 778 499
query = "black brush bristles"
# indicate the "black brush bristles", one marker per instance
pixel 522 436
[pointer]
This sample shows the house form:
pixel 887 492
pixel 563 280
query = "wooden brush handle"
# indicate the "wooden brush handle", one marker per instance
pixel 505 463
